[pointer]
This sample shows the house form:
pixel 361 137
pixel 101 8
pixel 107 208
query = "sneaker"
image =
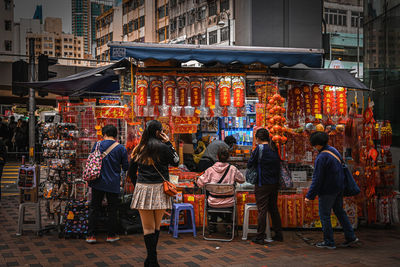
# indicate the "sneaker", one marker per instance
pixel 113 238
pixel 324 245
pixel 349 243
pixel 258 241
pixel 91 239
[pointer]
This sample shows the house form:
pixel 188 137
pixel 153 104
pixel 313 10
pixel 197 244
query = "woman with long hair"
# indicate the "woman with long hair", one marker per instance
pixel 267 186
pixel 149 167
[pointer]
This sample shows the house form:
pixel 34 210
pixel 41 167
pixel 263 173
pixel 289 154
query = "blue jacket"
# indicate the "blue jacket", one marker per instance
pixel 270 165
pixel 110 174
pixel 328 176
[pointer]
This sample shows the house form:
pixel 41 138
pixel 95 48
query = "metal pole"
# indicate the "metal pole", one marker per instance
pixel 358 45
pixel 229 29
pixel 32 104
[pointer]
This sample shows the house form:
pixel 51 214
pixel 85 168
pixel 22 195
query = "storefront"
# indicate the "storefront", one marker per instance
pixel 235 91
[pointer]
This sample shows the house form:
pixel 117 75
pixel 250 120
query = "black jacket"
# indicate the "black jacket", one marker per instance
pixel 147 174
pixel 269 165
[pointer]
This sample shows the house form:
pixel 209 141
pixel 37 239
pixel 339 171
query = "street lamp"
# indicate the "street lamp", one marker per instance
pixel 221 24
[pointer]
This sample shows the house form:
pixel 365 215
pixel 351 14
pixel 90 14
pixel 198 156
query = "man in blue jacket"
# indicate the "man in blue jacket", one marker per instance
pixel 107 184
pixel 328 185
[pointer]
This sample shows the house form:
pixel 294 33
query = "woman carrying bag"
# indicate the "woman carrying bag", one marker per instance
pixel 150 160
pixel 267 185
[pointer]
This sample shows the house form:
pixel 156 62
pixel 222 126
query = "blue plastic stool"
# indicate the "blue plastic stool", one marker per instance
pixel 189 227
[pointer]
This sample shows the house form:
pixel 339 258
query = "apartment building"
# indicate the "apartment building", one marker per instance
pixel 54 43
pixel 6 28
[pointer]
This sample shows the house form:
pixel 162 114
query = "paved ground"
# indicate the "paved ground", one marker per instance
pixel 378 248
pixel 9 179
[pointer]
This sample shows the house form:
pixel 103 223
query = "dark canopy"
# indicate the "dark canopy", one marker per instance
pixel 224 54
pixel 333 77
pixel 102 80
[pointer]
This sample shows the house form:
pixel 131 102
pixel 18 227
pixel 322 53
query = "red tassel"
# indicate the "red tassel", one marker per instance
pixel 183 114
pixel 156 111
pixel 225 112
pixel 211 112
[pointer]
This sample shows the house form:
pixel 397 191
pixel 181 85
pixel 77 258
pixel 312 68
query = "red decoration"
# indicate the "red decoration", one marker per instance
pixel 307 102
pixel 341 102
pixel 169 87
pixel 209 88
pixel 195 93
pixel 238 94
pixel 141 98
pixel 156 92
pixel 224 93
pixel 183 85
pixel 316 100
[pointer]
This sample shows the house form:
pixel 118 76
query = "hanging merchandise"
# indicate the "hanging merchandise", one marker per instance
pixel 209 89
pixel 261 89
pixel 224 88
pixel 341 103
pixel 386 134
pixel 195 96
pixel 169 91
pixel 141 95
pixel 238 95
pixel 329 104
pixel 276 121
pixel 298 106
pixel 316 100
pixel 307 103
pixel 183 87
pixel 291 112
pixel 156 95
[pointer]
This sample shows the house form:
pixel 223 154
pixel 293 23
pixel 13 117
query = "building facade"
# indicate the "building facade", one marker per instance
pixel 344 35
pixel 54 43
pixel 7 45
pixel 382 60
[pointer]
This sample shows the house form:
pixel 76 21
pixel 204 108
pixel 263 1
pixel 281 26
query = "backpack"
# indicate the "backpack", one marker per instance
pixel 94 161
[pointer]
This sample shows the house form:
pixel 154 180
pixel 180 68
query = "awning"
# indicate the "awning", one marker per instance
pixel 333 77
pixel 96 81
pixel 224 54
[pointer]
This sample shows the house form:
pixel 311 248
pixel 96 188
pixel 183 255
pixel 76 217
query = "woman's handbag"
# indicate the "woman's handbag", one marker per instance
pixel 252 173
pixel 169 188
pixel 285 178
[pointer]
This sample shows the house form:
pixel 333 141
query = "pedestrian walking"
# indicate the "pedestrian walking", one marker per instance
pixel 108 184
pixel 328 185
pixel 267 186
pixel 149 166
pixel 11 131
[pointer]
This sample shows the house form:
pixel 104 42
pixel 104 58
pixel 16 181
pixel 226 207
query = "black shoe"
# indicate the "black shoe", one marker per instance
pixel 278 237
pixel 151 246
pixel 325 245
pixel 258 241
pixel 349 243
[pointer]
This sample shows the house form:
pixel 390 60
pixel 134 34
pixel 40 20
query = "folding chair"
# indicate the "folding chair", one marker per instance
pixel 221 190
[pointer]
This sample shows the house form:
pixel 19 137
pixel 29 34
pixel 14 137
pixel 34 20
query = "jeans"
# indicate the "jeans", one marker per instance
pixel 335 202
pixel 95 209
pixel 267 201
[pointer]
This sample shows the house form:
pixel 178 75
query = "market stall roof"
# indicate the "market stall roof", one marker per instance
pixel 333 77
pixel 224 54
pixel 96 81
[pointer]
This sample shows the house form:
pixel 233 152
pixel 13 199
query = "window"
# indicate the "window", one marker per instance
pixel 224 5
pixel 7 25
pixel 7 4
pixel 191 17
pixel 161 34
pixel 212 37
pixel 130 26
pixel 136 24
pixel 70 40
pixel 201 13
pixel 161 12
pixel 8 45
pixel 354 19
pixel 172 24
pixel 182 21
pixel 335 16
pixel 70 47
pixel 212 8
pixel 202 39
pixel 125 29
pixel 65 46
pixel 65 39
pixel 141 22
pixel 51 53
pixel 224 34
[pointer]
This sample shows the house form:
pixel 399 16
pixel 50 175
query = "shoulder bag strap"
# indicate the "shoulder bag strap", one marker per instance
pixel 225 173
pixel 333 154
pixel 109 149
pixel 159 172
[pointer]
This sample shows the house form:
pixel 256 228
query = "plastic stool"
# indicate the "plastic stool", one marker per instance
pixel 174 227
pixel 29 225
pixel 246 230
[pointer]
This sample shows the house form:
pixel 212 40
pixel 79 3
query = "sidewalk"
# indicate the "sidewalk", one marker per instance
pixel 378 248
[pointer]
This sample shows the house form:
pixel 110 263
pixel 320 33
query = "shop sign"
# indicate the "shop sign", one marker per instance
pixel 188 128
pixel 209 88
pixel 170 86
pixel 141 98
pixel 195 93
pixel 225 93
pixel 183 85
pixel 299 176
pixel 186 120
pixel 110 101
pixel 156 92
pixel 238 94
pixel 111 112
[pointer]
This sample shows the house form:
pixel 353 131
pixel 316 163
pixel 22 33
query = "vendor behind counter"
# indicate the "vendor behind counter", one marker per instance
pixel 210 155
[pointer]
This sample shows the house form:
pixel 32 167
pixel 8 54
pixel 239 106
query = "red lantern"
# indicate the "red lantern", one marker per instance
pixel 183 85
pixel 209 88
pixel 141 97
pixel 238 94
pixel 156 92
pixel 195 93
pixel 169 88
